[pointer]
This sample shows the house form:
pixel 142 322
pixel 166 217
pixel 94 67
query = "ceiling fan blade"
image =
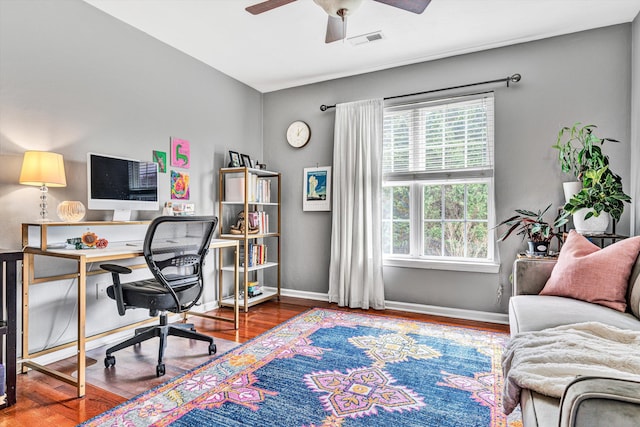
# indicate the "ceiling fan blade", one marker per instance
pixel 415 6
pixel 335 30
pixel 266 6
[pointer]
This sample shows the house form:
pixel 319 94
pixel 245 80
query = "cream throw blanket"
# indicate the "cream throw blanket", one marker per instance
pixel 547 361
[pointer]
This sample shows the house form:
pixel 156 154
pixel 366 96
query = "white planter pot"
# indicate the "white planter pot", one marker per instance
pixel 571 188
pixel 593 225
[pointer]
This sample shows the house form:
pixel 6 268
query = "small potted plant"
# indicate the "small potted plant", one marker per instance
pixel 579 150
pixel 601 193
pixel 531 225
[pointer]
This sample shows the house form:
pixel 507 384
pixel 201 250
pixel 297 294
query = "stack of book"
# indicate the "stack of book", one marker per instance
pixel 257 255
pixel 254 289
pixel 258 190
pixel 259 220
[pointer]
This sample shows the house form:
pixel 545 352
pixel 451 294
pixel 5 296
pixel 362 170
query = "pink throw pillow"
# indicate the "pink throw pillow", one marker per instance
pixel 588 273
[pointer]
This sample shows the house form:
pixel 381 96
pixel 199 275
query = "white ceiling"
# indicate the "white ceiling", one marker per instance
pixel 285 47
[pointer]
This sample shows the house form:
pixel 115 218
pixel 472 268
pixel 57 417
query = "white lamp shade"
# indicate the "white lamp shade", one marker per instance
pixel 43 168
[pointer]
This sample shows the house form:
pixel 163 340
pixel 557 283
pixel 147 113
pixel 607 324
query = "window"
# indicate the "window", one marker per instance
pixel 438 181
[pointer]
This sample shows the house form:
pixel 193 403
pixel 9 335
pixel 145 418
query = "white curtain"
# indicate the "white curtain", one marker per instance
pixel 355 271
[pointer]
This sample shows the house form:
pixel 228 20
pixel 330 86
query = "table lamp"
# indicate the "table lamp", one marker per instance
pixel 42 169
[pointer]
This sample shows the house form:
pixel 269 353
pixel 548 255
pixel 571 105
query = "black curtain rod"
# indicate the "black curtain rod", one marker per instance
pixel 514 78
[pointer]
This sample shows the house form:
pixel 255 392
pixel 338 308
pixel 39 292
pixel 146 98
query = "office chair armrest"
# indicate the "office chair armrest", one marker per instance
pixel 116 271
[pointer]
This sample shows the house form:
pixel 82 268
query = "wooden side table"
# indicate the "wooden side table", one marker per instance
pixel 8 326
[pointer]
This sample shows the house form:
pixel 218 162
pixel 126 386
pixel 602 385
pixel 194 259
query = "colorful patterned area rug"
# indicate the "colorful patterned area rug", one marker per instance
pixel 336 368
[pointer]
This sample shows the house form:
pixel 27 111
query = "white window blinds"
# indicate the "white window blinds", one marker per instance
pixel 439 138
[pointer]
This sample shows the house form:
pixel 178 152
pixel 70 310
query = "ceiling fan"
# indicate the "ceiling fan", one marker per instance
pixel 338 10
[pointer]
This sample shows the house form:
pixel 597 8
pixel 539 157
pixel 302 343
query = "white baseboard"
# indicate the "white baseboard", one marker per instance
pixel 456 313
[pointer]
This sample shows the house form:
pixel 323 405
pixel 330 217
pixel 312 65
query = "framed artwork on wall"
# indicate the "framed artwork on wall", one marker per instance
pixel 180 153
pixel 160 157
pixel 179 185
pixel 316 189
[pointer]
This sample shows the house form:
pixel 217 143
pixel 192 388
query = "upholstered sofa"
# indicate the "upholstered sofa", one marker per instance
pixel 588 400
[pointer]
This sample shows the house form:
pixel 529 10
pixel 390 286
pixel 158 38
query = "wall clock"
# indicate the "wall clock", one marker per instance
pixel 298 134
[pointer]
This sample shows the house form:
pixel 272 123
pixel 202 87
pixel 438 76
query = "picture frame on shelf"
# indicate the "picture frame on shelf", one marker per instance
pixel 316 189
pixel 234 159
pixel 246 161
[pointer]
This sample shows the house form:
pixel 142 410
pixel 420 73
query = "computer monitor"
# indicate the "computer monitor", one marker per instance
pixel 121 184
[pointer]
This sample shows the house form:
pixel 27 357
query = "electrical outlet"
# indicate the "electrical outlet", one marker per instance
pixel 101 290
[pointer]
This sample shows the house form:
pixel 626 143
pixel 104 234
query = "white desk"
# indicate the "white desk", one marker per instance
pixel 115 251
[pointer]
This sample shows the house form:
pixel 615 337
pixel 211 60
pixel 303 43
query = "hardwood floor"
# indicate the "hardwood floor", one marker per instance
pixel 44 401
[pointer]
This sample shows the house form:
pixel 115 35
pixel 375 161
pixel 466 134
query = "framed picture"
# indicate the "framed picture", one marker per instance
pixel 180 153
pixel 316 189
pixel 246 161
pixel 160 157
pixel 234 159
pixel 179 185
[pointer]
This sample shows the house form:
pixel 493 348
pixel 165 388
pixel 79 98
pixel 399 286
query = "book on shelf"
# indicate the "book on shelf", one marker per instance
pixel 259 220
pixel 257 254
pixel 258 190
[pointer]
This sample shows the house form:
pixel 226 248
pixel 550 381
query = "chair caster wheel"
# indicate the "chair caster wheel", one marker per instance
pixel 109 361
pixel 160 370
pixel 212 349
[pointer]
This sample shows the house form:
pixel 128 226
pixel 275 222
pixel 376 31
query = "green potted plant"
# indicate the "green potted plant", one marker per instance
pixel 602 192
pixel 579 150
pixel 534 227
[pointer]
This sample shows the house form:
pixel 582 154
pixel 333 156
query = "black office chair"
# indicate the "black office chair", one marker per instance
pixel 174 248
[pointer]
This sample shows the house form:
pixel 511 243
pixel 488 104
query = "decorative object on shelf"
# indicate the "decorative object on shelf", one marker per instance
pixel 43 169
pixel 298 134
pixel 238 228
pixel 180 153
pixel 160 157
pixel 602 195
pixel 71 211
pixel 316 189
pixel 532 225
pixel 179 185
pixel 246 161
pixel 234 159
pixel 259 165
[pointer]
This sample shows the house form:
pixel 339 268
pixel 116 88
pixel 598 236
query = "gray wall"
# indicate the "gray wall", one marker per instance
pixel 580 77
pixel 74 79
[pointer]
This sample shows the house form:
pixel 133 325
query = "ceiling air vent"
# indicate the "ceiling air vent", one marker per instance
pixel 366 38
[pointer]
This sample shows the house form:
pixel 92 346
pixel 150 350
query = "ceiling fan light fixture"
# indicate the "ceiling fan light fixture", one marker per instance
pixel 338 8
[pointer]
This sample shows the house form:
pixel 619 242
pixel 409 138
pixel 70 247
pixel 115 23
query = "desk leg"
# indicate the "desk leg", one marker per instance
pixel 27 277
pixel 82 307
